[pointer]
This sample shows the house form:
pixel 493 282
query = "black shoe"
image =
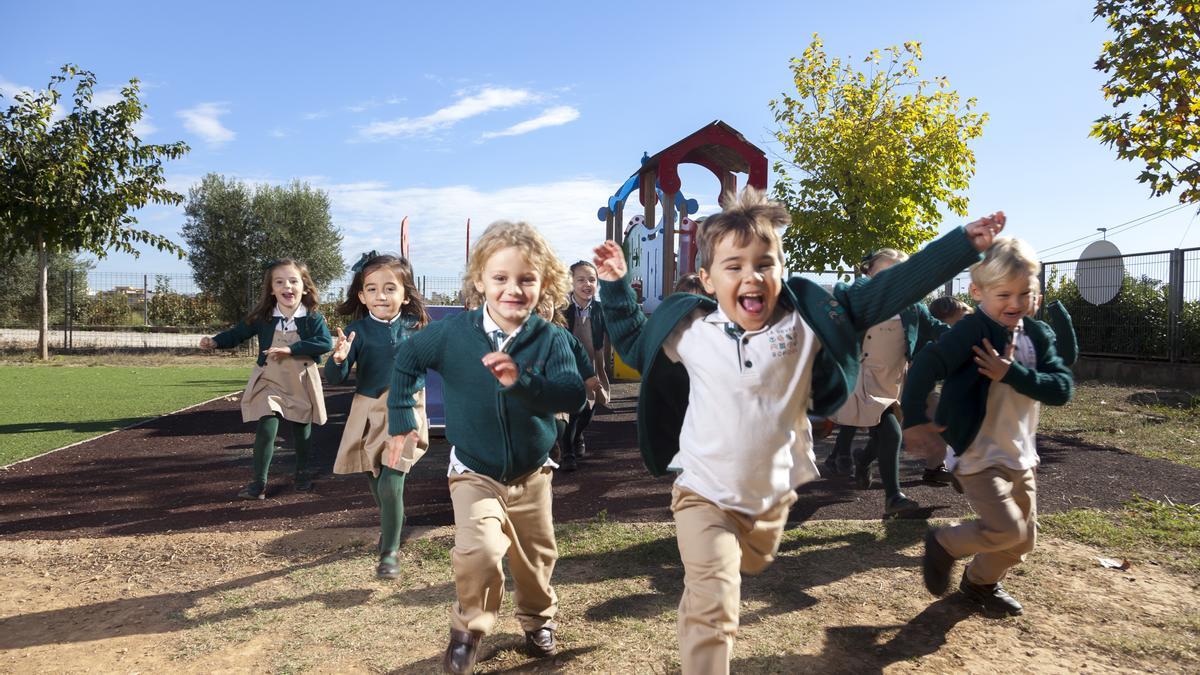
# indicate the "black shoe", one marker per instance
pixel 831 465
pixel 540 642
pixel 993 597
pixel 938 476
pixel 255 490
pixel 899 505
pixel 580 448
pixel 389 566
pixel 568 463
pixel 936 565
pixel 461 652
pixel 303 482
pixel 862 469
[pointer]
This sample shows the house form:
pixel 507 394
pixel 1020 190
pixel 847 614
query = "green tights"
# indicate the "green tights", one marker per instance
pixel 388 491
pixel 264 445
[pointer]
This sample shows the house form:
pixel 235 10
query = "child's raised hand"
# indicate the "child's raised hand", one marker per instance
pixel 341 348
pixel 925 440
pixel 278 353
pixel 610 261
pixel 991 364
pixel 207 343
pixel 503 367
pixel 984 230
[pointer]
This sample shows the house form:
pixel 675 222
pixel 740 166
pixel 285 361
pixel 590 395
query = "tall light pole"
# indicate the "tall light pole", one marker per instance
pixel 1103 232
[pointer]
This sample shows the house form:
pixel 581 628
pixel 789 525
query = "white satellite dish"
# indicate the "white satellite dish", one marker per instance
pixel 1100 272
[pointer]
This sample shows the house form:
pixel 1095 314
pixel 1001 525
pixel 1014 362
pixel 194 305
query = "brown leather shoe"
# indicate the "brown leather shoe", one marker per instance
pixel 540 642
pixel 461 652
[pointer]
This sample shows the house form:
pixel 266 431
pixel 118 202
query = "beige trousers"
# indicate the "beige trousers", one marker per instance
pixel 716 547
pixel 1005 501
pixel 490 520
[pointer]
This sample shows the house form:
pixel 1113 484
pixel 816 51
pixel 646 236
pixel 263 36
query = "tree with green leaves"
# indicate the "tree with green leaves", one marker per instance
pixel 869 159
pixel 1153 68
pixel 232 231
pixel 72 184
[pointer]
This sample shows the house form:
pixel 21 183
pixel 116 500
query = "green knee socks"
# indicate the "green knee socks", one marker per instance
pixel 264 445
pixel 388 491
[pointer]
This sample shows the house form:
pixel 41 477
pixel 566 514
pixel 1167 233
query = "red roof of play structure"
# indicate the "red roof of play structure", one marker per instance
pixel 718 147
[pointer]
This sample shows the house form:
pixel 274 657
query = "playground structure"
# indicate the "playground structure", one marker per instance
pixel 717 147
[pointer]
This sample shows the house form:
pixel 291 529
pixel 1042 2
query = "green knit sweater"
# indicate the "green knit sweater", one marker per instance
pixel 839 320
pixel 372 354
pixel 501 432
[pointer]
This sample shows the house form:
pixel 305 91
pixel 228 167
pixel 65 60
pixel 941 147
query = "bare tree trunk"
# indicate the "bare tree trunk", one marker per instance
pixel 43 301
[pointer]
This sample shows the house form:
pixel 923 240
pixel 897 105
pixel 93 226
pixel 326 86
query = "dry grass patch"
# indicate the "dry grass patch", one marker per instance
pixel 1160 423
pixel 843 596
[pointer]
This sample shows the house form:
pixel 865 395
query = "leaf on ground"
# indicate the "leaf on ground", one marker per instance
pixel 1109 563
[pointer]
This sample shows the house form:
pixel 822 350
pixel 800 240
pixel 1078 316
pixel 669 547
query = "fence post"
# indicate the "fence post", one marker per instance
pixel 949 289
pixel 66 303
pixel 1175 307
pixel 1041 310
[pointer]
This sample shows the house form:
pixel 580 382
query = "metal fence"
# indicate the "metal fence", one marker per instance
pixel 1154 314
pixel 115 310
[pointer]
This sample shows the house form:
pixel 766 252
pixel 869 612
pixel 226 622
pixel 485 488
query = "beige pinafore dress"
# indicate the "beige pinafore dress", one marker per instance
pixel 364 440
pixel 881 371
pixel 289 387
pixel 583 331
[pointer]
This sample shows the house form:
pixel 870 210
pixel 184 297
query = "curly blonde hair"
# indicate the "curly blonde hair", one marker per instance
pixel 556 280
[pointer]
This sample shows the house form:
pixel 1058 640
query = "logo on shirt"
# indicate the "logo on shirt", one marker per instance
pixel 783 344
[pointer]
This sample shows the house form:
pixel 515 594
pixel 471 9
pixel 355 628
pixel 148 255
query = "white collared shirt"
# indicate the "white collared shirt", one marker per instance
pixel 289 323
pixel 746 441
pixel 386 322
pixel 489 326
pixel 581 311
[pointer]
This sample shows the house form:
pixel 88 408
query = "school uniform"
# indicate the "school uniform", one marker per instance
pixel 586 323
pixel 365 437
pixel 727 409
pixel 500 472
pixel 991 429
pixel 288 387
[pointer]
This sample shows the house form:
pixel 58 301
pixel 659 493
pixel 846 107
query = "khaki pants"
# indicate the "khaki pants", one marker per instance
pixel 1005 531
pixel 716 547
pixel 491 519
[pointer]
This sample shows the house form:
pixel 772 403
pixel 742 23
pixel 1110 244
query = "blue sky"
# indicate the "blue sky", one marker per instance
pixel 540 110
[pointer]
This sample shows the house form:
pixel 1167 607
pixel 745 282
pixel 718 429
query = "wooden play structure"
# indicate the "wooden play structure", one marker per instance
pixel 717 147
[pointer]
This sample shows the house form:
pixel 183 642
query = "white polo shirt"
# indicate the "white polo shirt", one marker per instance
pixel 746 440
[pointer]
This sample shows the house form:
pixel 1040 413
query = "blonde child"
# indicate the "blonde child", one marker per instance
pixel 586 322
pixel 726 385
pixel 386 309
pixel 887 348
pixel 285 383
pixel 506 372
pixel 998 365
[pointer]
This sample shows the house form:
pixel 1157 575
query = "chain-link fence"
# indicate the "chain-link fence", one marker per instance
pixel 116 310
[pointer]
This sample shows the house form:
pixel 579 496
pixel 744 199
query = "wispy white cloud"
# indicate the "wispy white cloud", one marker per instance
pixel 106 97
pixel 551 118
pixel 369 214
pixel 204 121
pixel 466 107
pixel 320 114
pixel 278 133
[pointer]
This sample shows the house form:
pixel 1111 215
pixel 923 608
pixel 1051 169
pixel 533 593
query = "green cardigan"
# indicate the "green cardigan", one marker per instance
pixel 963 403
pixel 314 336
pixel 583 362
pixel 839 320
pixel 501 432
pixel 1062 330
pixel 374 351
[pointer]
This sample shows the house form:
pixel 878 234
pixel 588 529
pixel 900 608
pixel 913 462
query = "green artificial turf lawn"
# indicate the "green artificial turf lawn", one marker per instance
pixel 43 408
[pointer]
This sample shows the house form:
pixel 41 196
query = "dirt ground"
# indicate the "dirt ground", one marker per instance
pixel 841 598
pixel 128 554
pixel 179 473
